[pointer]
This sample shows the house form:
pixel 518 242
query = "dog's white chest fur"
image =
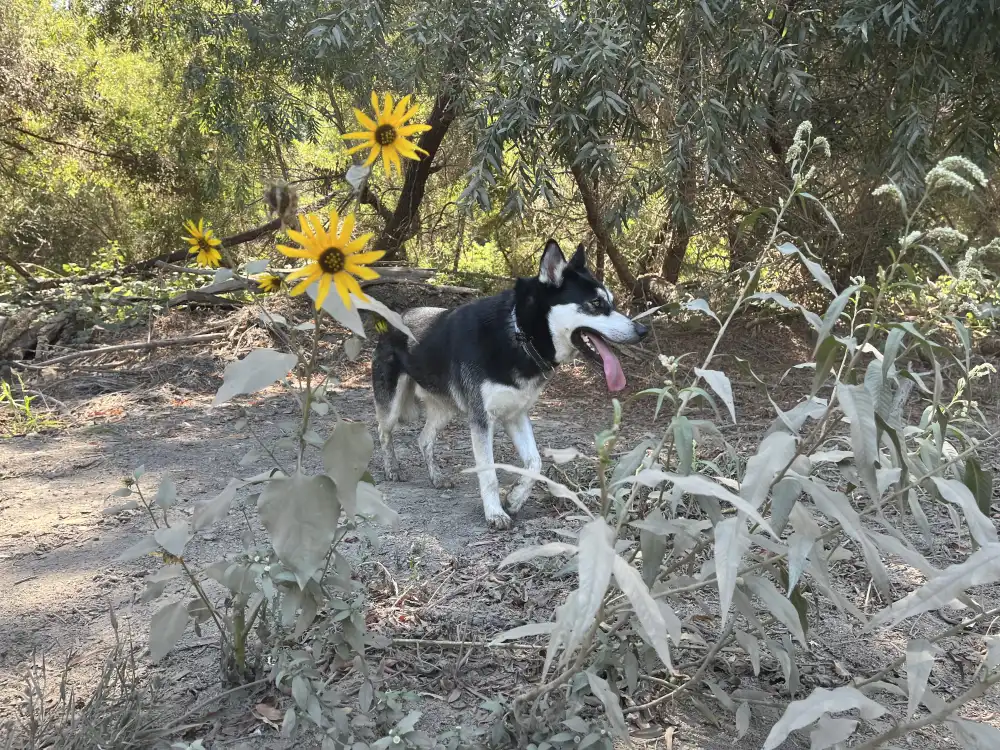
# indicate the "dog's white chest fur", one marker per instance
pixel 504 402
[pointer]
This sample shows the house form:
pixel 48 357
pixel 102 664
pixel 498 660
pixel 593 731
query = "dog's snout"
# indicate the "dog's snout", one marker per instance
pixel 641 330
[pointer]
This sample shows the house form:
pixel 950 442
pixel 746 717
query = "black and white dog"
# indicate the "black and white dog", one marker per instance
pixel 490 359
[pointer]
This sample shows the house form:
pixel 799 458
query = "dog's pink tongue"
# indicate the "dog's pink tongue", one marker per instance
pixel 612 367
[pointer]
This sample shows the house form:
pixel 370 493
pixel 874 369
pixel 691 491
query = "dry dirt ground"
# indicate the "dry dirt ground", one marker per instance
pixel 433 579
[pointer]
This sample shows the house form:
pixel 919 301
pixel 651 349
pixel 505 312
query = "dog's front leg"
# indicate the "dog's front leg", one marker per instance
pixel 489 486
pixel 523 437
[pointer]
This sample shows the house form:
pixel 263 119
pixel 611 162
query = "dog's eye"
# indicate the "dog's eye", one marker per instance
pixel 597 306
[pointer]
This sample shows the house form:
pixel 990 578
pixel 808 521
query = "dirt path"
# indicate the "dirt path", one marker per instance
pixel 434 578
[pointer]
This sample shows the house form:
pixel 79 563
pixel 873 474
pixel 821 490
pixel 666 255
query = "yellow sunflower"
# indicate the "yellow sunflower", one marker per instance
pixel 334 257
pixel 269 282
pixel 203 243
pixel 387 134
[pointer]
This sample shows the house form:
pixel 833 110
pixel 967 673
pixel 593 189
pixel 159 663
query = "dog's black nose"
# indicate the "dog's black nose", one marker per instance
pixel 641 330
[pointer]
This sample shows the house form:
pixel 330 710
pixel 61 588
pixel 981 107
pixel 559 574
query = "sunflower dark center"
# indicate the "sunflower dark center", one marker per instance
pixel 203 245
pixel 385 135
pixel 331 260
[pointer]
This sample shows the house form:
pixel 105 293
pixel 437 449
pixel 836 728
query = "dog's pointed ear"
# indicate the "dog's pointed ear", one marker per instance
pixel 579 260
pixel 553 264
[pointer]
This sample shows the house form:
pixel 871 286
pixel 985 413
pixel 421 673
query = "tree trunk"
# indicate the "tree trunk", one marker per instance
pixel 605 246
pixel 402 225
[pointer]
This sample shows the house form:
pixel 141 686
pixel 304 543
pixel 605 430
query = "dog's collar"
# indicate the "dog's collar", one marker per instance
pixel 522 338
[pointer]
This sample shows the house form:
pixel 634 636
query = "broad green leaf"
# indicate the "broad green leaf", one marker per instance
pixel 980 484
pixel 832 315
pixel 653 546
pixel 300 514
pixel 814 268
pixel 732 540
pixel 145 546
pixel 859 409
pixel 552 549
pixel 830 732
pixel 683 443
pixel 696 484
pixel 980 526
pixel 130 505
pixel 965 338
pixel 254 267
pixel 700 305
pixel 821 701
pixel 256 371
pixel 645 608
pixel 166 493
pixel 595 558
pixel 166 628
pixel 370 503
pixel 173 539
pixel 892 344
pixel 612 708
pixel 777 605
pixel 752 646
pixel 352 347
pixel 409 722
pixel 974 735
pixel 719 383
pixel 631 461
pixel 524 631
pixel 836 505
pixel 742 720
pixel 920 655
pixel 346 454
pixel 212 511
pixel 775 453
pixel 800 545
pixel 982 567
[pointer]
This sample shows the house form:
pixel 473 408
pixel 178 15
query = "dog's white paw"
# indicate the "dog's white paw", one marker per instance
pixel 499 520
pixel 441 481
pixel 392 473
pixel 516 500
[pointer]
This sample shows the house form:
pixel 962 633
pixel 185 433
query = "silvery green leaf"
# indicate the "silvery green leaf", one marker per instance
pixel 370 503
pixel 886 478
pixel 166 493
pixel 683 443
pixel 992 660
pixel 964 337
pixel 980 484
pixel 833 313
pixel 256 371
pixel 911 557
pixel 980 527
pixel 830 457
pixel 701 306
pixel 836 505
pixel 775 453
pixel 631 461
pixel 814 268
pixel 594 563
pixel 288 723
pixel 830 732
pixel 788 667
pixel 409 722
pixel 653 546
pixel 556 488
pixel 859 409
pixel 352 347
pixel 166 628
pixel 732 540
pixel 719 383
pixel 307 326
pixel 981 568
pixel 147 545
pixel 542 550
pixel 211 511
pixel 251 457
pixel 272 319
pixel 565 616
pixel 799 548
pixel 346 454
pixel 742 720
pixel 675 628
pixel 974 735
pixel 357 175
pixel 222 274
pixel 173 539
pixel 920 655
pixel 524 631
pixel 612 708
pixel 130 505
pixel 793 419
pixel 777 605
pixel 784 495
pixel 778 299
pixel 821 701
pixel 301 515
pixel 696 484
pixel 752 646
pixel 646 610
pixel 256 266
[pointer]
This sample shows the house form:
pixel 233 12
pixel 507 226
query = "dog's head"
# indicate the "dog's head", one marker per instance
pixel 566 310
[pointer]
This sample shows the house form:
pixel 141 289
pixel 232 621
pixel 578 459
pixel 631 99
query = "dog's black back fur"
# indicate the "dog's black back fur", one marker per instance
pixel 476 342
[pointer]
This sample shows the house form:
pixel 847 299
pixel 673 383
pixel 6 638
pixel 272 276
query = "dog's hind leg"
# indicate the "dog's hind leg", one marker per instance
pixel 523 437
pixel 489 486
pixel 438 415
pixel 393 401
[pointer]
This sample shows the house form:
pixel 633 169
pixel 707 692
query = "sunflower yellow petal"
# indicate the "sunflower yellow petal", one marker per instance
pixel 410 113
pixel 295 235
pixel 406 148
pixel 215 242
pixel 397 113
pixel 344 235
pixel 201 226
pixel 303 285
pixel 387 110
pixel 357 245
pixel 361 134
pixel 342 289
pixel 296 252
pixel 365 259
pixel 373 156
pixel 324 290
pixel 316 225
pixel 352 286
pixel 366 122
pixel 311 270
pixel 407 130
pixel 362 272
pixel 191 226
pixel 375 104
pixel 394 155
pixel 334 221
pixel 386 164
pixel 360 147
